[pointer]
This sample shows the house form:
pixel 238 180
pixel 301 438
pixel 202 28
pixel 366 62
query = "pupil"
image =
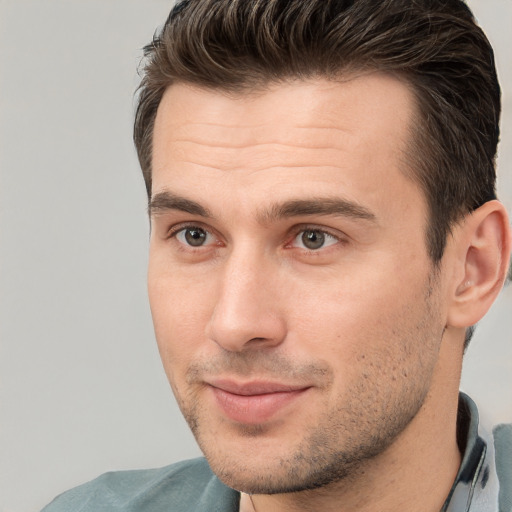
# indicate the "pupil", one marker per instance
pixel 313 239
pixel 195 236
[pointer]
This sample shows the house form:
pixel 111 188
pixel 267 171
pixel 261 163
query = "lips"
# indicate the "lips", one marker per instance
pixel 254 402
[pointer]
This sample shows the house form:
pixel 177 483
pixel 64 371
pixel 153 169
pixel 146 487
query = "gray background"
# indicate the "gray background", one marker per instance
pixel 81 386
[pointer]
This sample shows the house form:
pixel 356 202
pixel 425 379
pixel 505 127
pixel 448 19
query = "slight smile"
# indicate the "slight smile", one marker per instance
pixel 254 402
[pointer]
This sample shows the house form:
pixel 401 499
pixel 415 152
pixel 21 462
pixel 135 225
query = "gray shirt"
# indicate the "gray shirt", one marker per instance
pixel 483 483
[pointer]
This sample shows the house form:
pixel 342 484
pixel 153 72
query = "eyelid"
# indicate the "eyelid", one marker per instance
pixel 176 228
pixel 292 234
pixel 296 230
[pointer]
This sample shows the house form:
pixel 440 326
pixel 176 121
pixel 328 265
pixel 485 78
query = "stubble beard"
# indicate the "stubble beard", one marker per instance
pixel 368 418
pixel 337 449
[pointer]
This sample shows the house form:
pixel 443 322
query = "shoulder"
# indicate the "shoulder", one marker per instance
pixel 503 453
pixel 188 485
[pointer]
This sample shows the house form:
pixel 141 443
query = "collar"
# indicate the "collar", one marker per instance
pixel 476 486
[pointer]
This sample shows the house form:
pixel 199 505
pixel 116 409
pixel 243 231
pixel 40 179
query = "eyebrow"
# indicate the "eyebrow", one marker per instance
pixel 336 206
pixel 165 201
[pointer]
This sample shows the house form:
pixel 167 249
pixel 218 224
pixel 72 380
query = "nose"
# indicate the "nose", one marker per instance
pixel 247 313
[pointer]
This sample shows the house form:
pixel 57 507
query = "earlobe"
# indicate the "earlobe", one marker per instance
pixel 483 249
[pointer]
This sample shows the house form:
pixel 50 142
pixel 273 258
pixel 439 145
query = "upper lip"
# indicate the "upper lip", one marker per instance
pixel 257 387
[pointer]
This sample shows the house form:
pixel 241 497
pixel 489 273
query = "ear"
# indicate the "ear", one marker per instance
pixel 482 248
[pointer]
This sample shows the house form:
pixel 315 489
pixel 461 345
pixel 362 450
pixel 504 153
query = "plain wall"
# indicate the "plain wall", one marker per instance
pixel 82 390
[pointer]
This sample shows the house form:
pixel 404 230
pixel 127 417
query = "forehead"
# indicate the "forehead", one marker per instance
pixel 369 102
pixel 296 138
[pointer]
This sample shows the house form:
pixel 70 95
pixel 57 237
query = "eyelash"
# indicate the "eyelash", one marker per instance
pixel 175 230
pixel 293 234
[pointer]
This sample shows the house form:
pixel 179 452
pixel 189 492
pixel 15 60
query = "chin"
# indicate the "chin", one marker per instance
pixel 255 465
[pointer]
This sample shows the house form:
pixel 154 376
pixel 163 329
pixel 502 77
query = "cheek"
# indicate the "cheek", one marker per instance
pixel 180 308
pixel 358 318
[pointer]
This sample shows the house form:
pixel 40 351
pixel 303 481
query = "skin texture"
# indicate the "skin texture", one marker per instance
pixel 253 283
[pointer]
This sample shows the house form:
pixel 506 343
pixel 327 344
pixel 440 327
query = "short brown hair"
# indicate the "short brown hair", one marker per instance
pixel 433 45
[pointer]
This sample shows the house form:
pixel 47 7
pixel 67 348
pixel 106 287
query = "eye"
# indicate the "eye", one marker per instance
pixel 193 236
pixel 314 239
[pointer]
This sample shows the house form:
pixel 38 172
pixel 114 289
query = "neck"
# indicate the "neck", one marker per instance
pixel 415 473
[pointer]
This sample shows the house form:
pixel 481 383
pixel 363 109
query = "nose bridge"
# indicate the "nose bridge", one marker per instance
pixel 247 310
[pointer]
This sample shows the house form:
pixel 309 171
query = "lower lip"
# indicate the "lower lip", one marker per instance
pixel 254 409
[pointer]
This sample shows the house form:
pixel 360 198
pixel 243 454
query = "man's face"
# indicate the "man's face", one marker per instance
pixel 296 311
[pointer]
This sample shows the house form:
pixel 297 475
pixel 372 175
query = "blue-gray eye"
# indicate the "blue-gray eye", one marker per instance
pixel 193 236
pixel 314 239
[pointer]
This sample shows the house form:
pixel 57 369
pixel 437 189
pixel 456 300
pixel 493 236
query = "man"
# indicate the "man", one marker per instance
pixel 325 233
